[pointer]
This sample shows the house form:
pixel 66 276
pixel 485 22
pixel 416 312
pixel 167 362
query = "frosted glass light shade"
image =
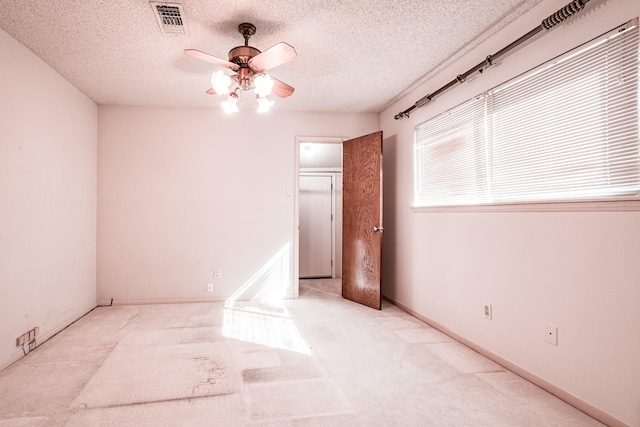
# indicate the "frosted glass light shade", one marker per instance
pixel 231 104
pixel 220 82
pixel 263 85
pixel 264 104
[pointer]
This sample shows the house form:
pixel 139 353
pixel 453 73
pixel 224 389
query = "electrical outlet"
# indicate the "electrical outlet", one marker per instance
pixel 551 334
pixel 488 312
pixel 27 337
pixel 209 287
pixel 217 273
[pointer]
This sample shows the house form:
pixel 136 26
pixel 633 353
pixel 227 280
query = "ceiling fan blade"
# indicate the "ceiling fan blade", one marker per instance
pixel 210 58
pixel 211 92
pixel 272 57
pixel 281 89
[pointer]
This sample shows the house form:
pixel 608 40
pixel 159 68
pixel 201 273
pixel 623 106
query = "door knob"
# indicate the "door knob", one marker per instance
pixel 375 229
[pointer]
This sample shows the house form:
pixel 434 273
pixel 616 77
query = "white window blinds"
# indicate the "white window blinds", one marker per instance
pixel 451 157
pixel 567 130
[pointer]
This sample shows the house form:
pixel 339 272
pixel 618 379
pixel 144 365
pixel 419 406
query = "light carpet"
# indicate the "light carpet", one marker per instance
pixel 316 361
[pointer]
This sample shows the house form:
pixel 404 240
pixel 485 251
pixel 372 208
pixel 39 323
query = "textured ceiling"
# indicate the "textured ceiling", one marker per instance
pixel 353 56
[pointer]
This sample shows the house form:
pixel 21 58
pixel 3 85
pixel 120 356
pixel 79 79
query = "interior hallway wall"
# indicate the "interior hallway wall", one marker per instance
pixel 185 191
pixel 576 270
pixel 47 199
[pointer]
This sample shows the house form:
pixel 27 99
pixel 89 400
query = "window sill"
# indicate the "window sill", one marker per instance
pixel 611 205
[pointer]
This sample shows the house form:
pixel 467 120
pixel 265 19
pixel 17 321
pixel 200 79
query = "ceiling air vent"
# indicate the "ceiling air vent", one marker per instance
pixel 171 18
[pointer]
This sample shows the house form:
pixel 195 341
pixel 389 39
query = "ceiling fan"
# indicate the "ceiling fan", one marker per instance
pixel 250 65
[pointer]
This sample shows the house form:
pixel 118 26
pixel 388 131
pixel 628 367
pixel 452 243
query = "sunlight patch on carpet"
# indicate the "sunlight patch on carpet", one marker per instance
pixel 255 313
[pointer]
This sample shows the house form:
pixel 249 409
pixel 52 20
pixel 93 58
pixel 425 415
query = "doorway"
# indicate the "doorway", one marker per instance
pixel 360 218
pixel 318 209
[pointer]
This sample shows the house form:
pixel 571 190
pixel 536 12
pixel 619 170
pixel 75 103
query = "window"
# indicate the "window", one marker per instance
pixel 565 131
pixel 451 157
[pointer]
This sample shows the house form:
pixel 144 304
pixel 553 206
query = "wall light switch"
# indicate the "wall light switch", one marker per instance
pixel 209 287
pixel 488 312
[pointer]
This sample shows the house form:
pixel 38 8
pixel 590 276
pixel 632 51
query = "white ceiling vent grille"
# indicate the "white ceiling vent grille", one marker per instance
pixel 171 18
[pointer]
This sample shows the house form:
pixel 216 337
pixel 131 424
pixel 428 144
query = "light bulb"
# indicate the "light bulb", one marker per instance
pixel 263 84
pixel 264 104
pixel 220 82
pixel 231 104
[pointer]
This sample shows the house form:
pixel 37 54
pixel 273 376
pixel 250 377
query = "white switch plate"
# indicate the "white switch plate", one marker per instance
pixel 217 273
pixel 209 287
pixel 551 334
pixel 488 311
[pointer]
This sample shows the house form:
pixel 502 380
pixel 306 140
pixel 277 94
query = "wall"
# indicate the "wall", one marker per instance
pixel 47 199
pixel 320 156
pixel 185 191
pixel 577 270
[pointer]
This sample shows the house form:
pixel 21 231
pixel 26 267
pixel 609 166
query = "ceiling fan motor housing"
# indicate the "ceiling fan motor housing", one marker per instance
pixel 241 55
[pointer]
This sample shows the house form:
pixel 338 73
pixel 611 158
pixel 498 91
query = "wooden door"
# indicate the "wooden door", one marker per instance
pixel 362 219
pixel 316 233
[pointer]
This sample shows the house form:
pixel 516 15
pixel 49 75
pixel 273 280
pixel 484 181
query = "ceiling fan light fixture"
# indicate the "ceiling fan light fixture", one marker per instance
pixel 220 82
pixel 250 65
pixel 263 84
pixel 231 104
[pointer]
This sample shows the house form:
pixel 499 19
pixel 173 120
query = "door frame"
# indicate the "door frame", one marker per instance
pixel 299 140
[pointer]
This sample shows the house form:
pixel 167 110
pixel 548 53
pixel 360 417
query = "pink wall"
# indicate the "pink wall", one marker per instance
pixel 47 199
pixel 184 191
pixel 577 270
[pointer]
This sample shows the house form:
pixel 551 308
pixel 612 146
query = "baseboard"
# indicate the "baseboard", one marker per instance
pixel 560 393
pixel 48 334
pixel 116 302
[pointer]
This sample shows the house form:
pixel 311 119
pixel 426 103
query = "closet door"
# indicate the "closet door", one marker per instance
pixel 315 226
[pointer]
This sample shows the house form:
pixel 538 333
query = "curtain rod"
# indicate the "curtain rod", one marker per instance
pixel 551 21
